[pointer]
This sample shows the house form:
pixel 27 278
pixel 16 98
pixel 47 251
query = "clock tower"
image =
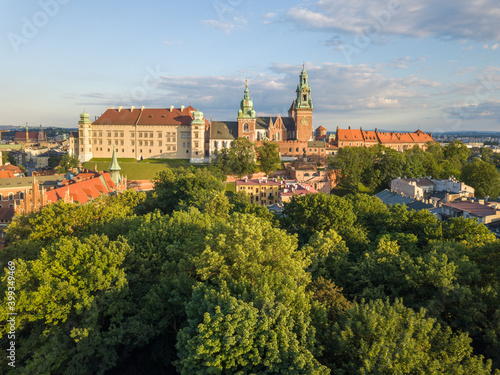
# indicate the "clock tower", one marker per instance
pixel 303 108
pixel 246 117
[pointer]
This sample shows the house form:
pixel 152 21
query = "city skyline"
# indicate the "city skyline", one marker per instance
pixel 378 64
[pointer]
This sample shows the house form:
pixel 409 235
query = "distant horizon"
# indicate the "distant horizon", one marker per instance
pixel 378 64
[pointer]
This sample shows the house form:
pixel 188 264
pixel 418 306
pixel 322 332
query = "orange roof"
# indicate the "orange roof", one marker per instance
pixel 386 137
pixel 84 191
pixel 6 174
pixel 320 128
pixel 147 116
pixel 10 167
pixel 420 137
pixel 349 135
pixel 369 136
pixel 405 138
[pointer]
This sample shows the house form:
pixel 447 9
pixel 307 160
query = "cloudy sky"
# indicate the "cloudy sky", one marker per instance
pixel 387 64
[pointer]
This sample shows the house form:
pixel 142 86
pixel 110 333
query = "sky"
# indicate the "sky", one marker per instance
pixel 400 65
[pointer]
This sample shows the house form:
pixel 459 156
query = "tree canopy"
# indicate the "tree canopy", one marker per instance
pixel 188 280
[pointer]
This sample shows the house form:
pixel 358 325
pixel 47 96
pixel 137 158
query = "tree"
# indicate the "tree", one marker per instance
pixel 228 335
pixel 181 188
pixel 352 163
pixel 380 338
pixel 239 159
pixel 483 177
pixel 268 156
pixel 67 163
pixel 457 153
pixel 312 213
pixel 66 301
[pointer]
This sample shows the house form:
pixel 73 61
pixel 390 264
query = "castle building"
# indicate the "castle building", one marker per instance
pixel 140 133
pixel 184 133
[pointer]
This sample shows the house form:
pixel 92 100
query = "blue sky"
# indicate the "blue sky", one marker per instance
pixel 395 65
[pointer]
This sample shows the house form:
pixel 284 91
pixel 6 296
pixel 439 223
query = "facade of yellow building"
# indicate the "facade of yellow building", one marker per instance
pixel 262 191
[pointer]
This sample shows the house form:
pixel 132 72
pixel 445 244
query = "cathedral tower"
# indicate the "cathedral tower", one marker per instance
pixel 303 108
pixel 246 117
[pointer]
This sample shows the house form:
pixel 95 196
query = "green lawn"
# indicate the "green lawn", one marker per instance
pixel 133 171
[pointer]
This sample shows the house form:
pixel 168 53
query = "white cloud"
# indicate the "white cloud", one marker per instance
pixel 227 26
pixel 495 46
pixel 464 20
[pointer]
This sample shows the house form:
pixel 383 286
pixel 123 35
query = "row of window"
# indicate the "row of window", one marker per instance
pixel 10 197
pixel 121 134
pixel 304 150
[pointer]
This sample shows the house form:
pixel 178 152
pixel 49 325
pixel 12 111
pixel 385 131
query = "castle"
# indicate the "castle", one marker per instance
pixel 185 133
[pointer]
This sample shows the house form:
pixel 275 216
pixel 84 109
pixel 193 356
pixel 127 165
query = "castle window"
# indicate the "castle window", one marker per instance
pixel 246 127
pixel 278 136
pixel 304 80
pixel 11 197
pixel 304 97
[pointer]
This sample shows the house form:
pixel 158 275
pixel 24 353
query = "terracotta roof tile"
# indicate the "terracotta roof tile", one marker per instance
pixel 147 116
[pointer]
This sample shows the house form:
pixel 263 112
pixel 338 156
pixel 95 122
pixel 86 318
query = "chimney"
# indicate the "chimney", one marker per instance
pixel 171 108
pixel 349 127
pixel 132 108
pixel 182 108
pixel 142 108
pixel 375 130
pixel 120 108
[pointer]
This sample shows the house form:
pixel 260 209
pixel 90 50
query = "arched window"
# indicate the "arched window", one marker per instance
pixel 21 195
pixel 11 196
pixel 278 136
pixel 1 197
pixel 216 145
pixel 246 128
pixel 11 205
pixel 259 136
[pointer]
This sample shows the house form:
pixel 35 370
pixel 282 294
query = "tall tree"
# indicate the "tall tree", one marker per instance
pixel 268 156
pixel 67 163
pixel 483 177
pixel 380 338
pixel 239 159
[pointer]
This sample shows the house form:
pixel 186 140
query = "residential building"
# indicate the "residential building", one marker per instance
pixel 479 211
pixel 294 188
pixel 262 191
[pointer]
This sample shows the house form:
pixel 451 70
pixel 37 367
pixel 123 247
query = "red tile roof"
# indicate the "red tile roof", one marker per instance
pixel 6 174
pixel 147 116
pixel 349 135
pixel 420 137
pixel 386 137
pixel 299 189
pixel 84 191
pixel 370 136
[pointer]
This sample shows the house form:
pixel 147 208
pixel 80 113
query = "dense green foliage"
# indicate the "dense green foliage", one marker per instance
pixel 66 163
pixel 374 167
pixel 268 157
pixel 239 159
pixel 186 280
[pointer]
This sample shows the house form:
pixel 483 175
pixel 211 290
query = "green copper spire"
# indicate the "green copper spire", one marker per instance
pixel 84 118
pixel 114 168
pixel 246 105
pixel 304 99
